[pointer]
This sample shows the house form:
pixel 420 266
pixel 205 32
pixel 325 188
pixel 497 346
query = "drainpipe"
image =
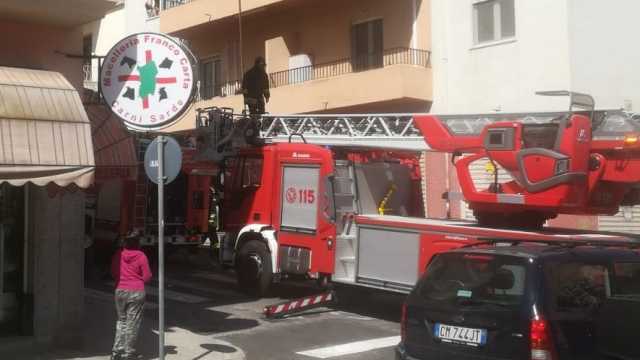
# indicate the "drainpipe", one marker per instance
pixel 414 26
pixel 414 32
pixel 240 42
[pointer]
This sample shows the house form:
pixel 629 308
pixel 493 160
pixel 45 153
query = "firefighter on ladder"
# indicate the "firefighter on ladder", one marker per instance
pixel 255 87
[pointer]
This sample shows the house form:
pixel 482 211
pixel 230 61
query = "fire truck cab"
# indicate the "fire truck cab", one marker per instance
pixel 278 211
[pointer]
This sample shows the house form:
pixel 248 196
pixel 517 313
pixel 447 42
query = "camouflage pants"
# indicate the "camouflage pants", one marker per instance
pixel 129 306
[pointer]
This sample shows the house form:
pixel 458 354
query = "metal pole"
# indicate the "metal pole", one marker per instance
pixel 99 80
pixel 161 142
pixel 240 42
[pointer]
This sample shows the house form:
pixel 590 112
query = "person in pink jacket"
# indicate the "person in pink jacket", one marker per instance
pixel 130 269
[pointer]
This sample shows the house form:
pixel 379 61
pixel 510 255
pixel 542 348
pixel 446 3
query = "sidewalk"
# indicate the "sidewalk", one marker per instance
pixel 100 321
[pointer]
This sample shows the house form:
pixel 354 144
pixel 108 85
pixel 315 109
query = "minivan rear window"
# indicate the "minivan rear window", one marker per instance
pixel 475 279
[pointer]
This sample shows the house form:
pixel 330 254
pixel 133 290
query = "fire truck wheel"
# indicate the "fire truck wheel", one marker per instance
pixel 254 268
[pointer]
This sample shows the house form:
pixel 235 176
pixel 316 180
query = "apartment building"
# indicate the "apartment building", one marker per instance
pixel 493 55
pixel 125 18
pixel 354 56
pixel 46 159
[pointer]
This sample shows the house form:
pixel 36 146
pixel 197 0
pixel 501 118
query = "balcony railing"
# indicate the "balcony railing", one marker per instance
pixel 168 4
pixel 87 73
pixel 395 56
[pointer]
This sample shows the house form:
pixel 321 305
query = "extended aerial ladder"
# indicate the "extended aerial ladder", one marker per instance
pixel 577 162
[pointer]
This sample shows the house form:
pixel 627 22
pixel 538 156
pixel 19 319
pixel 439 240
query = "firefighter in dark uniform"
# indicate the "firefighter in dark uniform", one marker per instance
pixel 255 87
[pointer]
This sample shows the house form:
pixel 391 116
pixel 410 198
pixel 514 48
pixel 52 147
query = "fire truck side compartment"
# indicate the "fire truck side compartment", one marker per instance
pixel 388 258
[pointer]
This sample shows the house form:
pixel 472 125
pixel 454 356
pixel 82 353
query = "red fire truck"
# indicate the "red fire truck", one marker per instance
pixel 333 197
pixel 186 208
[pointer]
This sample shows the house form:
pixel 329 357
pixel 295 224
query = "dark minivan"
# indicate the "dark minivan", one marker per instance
pixel 530 301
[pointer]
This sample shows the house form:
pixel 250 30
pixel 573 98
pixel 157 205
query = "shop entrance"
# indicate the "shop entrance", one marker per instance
pixel 11 259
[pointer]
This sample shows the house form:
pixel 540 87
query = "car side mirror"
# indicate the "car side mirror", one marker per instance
pixel 329 204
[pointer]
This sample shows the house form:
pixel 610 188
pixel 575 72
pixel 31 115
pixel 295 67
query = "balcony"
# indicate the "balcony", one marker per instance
pixel 89 78
pixel 398 79
pixel 168 4
pixel 177 15
pixel 56 12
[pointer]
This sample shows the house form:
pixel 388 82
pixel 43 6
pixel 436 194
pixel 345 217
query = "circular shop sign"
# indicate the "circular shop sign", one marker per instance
pixel 147 80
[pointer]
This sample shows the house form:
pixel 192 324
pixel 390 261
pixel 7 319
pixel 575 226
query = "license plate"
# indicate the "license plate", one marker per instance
pixel 460 335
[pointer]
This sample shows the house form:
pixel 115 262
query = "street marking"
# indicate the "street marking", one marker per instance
pixel 351 348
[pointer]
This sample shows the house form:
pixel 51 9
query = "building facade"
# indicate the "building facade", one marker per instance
pixel 113 141
pixel 332 56
pixel 493 55
pixel 46 160
pixel 125 18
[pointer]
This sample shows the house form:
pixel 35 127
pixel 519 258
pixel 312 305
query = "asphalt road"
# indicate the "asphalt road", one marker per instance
pixel 204 303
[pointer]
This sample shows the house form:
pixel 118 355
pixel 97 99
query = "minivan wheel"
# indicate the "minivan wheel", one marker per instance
pixel 253 268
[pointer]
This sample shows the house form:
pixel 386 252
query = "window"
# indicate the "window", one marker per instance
pixel 210 78
pixel 496 138
pixel 578 286
pixel 231 180
pixel 493 20
pixel 252 172
pixel 475 279
pixel 329 204
pixel 626 281
pixel 367 45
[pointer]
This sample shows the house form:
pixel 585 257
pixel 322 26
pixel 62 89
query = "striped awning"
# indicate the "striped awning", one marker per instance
pixel 45 135
pixel 114 146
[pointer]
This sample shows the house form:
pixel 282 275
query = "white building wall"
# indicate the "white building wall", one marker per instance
pixel 137 19
pixel 110 30
pixel 502 76
pixel 579 45
pixel 604 53
pixel 129 18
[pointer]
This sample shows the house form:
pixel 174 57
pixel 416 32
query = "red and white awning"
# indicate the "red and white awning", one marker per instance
pixel 45 134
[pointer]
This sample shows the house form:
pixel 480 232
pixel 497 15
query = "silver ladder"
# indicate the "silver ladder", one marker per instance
pixel 375 131
pixel 346 200
pixel 381 131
